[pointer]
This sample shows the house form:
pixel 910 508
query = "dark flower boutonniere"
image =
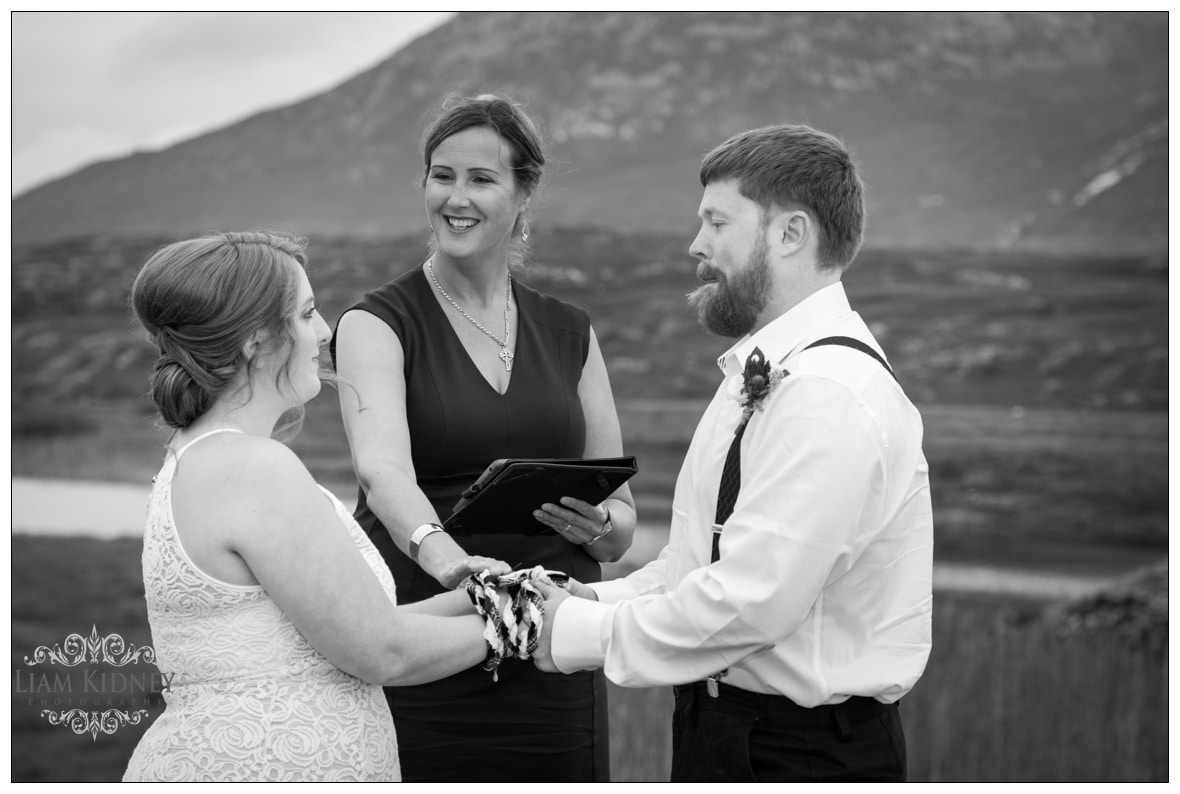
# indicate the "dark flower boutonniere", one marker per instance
pixel 755 383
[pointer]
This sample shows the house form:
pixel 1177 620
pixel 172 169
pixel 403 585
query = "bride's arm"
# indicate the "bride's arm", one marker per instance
pixel 452 604
pixel 298 549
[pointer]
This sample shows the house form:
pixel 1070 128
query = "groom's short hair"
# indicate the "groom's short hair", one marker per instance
pixel 792 166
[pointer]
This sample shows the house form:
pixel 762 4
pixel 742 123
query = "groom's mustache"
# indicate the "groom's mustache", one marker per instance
pixel 707 273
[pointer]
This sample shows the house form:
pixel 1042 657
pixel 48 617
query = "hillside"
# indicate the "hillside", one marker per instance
pixel 978 329
pixel 989 130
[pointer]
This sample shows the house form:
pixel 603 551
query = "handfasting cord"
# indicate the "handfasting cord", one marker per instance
pixel 513 610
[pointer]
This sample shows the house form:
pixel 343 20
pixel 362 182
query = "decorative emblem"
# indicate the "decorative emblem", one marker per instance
pixel 76 649
pixel 81 722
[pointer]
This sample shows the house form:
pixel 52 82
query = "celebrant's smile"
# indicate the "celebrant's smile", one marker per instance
pixel 460 224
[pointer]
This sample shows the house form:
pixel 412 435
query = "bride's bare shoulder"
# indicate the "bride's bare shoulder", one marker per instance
pixel 251 469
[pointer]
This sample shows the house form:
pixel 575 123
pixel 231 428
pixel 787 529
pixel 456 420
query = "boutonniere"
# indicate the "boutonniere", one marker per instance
pixel 756 382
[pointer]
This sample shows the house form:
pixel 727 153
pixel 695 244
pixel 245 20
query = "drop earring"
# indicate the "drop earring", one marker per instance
pixel 524 231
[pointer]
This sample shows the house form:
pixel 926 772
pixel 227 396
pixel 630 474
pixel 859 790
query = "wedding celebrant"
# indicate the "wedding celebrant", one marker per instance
pixel 454 365
pixel 792 605
pixel 273 617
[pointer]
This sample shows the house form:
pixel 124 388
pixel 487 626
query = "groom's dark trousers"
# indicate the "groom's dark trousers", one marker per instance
pixel 743 737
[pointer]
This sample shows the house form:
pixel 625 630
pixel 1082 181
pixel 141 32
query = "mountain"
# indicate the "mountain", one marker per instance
pixel 991 130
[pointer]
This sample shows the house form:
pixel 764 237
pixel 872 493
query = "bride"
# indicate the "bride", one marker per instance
pixel 273 616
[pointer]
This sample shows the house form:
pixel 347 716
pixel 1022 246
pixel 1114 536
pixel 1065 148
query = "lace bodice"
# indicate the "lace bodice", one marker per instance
pixel 249 698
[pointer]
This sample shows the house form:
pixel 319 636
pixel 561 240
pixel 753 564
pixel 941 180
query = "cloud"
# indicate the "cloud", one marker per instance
pixel 92 86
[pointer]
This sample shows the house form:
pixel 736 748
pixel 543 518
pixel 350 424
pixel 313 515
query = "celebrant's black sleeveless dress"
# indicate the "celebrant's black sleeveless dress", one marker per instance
pixel 528 726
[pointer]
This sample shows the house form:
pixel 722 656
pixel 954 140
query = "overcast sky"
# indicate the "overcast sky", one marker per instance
pixel 95 86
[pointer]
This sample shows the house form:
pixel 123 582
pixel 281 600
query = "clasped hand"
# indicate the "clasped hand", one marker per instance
pixel 554 595
pixel 456 570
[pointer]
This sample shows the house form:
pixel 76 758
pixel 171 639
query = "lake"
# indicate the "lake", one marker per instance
pixel 114 510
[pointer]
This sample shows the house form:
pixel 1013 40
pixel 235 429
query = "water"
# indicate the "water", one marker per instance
pixel 116 510
pixel 75 507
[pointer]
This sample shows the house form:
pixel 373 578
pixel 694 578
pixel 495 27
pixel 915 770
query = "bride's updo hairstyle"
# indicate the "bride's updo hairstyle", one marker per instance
pixel 201 300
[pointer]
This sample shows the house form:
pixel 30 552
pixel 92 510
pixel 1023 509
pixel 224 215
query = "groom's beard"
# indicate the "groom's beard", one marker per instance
pixel 731 305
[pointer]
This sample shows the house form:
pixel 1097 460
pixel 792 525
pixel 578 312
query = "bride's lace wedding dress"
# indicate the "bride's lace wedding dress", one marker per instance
pixel 247 696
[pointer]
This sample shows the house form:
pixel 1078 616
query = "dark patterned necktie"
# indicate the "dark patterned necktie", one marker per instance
pixel 727 493
pixel 756 385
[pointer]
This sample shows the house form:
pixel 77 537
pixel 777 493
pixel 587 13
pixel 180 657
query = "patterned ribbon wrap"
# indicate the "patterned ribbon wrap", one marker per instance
pixel 513 610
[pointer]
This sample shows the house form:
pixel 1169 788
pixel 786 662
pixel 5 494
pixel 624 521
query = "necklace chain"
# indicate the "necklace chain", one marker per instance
pixel 505 355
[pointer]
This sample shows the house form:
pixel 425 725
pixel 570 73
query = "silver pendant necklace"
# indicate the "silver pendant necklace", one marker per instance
pixel 505 354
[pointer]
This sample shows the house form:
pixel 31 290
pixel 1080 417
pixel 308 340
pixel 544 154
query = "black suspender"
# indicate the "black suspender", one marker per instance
pixel 855 344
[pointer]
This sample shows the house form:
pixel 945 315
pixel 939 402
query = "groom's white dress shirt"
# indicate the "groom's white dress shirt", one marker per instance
pixel 823 588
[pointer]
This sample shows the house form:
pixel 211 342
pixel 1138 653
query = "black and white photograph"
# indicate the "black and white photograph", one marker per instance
pixel 508 397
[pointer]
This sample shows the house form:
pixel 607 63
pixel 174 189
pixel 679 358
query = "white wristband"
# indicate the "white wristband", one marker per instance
pixel 420 534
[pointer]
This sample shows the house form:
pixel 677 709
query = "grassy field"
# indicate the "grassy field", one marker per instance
pixel 1013 691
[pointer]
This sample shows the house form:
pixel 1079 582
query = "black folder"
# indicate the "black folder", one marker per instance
pixel 504 501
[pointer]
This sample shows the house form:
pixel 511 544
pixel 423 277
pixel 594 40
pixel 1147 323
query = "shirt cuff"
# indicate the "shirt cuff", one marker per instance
pixel 613 591
pixel 577 636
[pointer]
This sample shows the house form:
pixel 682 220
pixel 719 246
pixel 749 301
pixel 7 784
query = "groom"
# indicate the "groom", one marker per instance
pixel 791 607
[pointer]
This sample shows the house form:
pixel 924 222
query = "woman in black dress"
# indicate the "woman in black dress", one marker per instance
pixel 454 365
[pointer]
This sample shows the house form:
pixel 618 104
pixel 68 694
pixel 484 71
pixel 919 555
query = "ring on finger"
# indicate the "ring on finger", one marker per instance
pixel 568 526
